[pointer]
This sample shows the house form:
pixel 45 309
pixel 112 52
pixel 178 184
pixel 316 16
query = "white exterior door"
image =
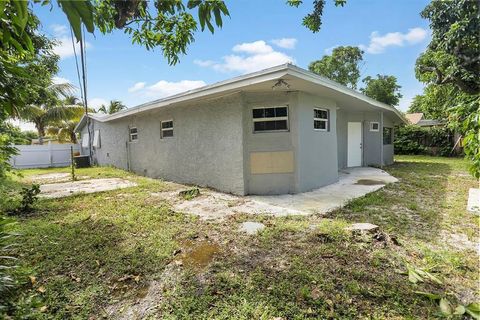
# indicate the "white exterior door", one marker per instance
pixel 354 149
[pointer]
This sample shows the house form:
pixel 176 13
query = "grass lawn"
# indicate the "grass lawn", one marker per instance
pixel 94 256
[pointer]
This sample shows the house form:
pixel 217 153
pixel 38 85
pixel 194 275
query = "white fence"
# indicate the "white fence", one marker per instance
pixel 42 156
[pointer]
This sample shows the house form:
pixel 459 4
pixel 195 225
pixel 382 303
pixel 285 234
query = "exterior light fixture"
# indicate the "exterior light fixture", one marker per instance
pixel 281 85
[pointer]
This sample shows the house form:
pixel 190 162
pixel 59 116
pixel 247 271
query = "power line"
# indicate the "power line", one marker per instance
pixel 84 78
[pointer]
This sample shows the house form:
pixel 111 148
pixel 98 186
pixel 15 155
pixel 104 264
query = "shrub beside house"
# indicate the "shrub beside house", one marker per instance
pixel 426 136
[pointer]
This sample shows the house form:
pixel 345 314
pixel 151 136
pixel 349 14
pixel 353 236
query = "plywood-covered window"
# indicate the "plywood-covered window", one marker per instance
pixel 96 139
pixel 133 134
pixel 166 129
pixel 321 119
pixel 270 119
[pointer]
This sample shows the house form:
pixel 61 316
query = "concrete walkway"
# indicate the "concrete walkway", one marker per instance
pixel 210 204
pixel 353 183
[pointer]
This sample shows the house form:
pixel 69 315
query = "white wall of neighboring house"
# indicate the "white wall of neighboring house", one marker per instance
pixel 43 156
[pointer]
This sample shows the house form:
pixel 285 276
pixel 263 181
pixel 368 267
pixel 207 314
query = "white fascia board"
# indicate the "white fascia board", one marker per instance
pixel 80 124
pixel 309 76
pixel 216 88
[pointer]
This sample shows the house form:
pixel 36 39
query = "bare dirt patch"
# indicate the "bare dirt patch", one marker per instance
pixel 65 189
pixel 54 177
pixel 148 298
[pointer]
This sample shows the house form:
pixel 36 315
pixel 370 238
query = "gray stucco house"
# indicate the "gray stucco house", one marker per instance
pixel 279 130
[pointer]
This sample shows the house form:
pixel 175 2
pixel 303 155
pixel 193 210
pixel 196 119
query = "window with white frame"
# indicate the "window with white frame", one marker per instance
pixel 166 129
pixel 133 134
pixel 374 126
pixel 270 119
pixel 321 118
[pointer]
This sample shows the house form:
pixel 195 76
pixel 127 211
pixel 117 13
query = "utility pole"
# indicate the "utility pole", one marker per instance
pixel 85 102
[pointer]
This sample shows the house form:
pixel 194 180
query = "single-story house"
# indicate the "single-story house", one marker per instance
pixel 279 130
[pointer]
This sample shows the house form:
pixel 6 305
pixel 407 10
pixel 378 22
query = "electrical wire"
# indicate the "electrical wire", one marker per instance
pixel 83 62
pixel 76 63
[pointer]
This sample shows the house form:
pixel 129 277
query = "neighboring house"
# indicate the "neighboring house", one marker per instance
pixel 418 119
pixel 279 130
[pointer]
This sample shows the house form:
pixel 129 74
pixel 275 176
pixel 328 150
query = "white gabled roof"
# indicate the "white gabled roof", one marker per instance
pixel 238 83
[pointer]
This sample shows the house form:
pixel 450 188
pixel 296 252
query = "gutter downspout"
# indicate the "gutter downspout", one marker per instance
pixel 382 163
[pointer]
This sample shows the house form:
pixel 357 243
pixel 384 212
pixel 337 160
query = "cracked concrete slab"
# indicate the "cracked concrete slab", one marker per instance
pixel 65 189
pixel 353 183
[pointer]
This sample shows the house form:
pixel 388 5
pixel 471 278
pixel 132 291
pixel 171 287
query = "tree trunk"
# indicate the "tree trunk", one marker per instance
pixel 73 137
pixel 41 134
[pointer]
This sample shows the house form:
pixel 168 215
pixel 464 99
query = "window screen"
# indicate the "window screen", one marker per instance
pixel 270 119
pixel 387 135
pixel 133 134
pixel 321 118
pixel 166 129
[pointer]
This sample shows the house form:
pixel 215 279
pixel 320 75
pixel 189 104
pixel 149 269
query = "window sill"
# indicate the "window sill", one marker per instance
pixel 270 131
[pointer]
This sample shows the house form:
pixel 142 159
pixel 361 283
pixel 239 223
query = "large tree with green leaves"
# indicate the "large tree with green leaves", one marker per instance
pixel 383 88
pixel 435 102
pixel 341 66
pixel 452 60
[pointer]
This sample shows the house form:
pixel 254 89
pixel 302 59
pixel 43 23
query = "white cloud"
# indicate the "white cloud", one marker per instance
pixel 286 43
pixel 64 46
pixel 137 86
pixel 249 57
pixel 164 88
pixel 95 103
pixel 330 49
pixel 378 43
pixel 256 47
pixel 204 63
pixel 58 80
pixel 59 29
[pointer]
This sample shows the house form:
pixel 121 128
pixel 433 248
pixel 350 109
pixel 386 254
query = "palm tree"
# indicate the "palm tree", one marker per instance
pixel 64 130
pixel 53 109
pixel 72 100
pixel 113 107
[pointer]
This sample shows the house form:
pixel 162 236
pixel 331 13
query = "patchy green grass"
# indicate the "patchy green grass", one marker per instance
pixel 94 254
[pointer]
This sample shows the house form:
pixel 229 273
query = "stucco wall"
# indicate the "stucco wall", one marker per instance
pixel 371 140
pixel 270 183
pixel 317 150
pixel 206 148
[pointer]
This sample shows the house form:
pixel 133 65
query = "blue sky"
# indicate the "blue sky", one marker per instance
pixel 259 34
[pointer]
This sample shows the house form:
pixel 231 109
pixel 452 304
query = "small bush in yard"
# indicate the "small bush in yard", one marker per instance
pixel 189 194
pixel 28 196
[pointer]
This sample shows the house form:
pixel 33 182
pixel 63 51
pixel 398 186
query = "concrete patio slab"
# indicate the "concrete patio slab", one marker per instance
pixel 64 189
pixel 353 183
